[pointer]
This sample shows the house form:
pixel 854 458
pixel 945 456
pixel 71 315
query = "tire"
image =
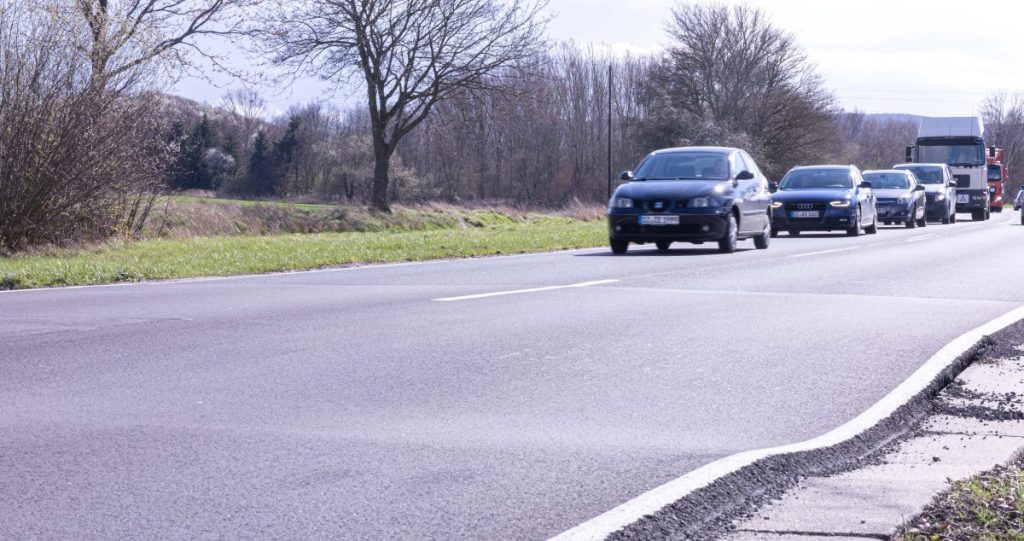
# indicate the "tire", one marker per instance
pixel 946 220
pixel 775 233
pixel 663 245
pixel 888 223
pixel 997 209
pixel 794 233
pixel 619 247
pixel 873 228
pixel 855 230
pixel 977 215
pixel 911 223
pixel 923 222
pixel 762 241
pixel 1022 218
pixel 952 217
pixel 728 243
pixel 988 215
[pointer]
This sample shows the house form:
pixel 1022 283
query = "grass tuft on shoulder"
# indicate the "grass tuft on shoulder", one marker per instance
pixel 989 506
pixel 161 259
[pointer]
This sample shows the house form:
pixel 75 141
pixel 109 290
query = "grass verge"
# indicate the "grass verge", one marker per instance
pixel 157 259
pixel 988 507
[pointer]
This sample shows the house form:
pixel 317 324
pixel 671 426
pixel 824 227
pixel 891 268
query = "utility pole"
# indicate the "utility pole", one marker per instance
pixel 609 195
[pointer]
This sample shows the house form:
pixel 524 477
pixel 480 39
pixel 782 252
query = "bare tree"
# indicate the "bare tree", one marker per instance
pixel 409 54
pixel 1004 127
pixel 730 66
pixel 126 34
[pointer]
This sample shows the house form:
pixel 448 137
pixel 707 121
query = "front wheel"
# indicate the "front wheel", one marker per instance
pixel 761 241
pixel 728 243
pixel 855 230
pixel 873 228
pixel 952 217
pixel 911 222
pixel 663 245
pixel 619 246
pixel 923 222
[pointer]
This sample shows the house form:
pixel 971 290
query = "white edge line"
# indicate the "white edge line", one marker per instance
pixel 922 237
pixel 823 252
pixel 650 502
pixel 520 291
pixel 353 267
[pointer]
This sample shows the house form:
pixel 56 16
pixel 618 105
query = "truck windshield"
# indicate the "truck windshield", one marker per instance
pixel 995 173
pixel 970 155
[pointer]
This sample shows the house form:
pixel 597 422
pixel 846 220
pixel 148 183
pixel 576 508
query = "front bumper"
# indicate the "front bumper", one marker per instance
pixel 976 200
pixel 695 225
pixel 936 210
pixel 898 212
pixel 831 218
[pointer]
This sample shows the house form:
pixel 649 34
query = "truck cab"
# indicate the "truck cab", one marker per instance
pixel 998 175
pixel 958 142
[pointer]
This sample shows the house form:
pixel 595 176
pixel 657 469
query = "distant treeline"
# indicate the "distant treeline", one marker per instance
pixel 495 114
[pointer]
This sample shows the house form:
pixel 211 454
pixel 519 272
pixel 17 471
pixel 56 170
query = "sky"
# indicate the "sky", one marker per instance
pixel 936 58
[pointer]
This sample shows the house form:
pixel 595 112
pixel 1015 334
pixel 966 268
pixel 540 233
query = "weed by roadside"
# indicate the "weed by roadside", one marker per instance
pixel 987 507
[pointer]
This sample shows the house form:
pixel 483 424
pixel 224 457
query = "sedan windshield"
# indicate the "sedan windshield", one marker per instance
pixel 926 175
pixel 684 166
pixel 816 179
pixel 888 181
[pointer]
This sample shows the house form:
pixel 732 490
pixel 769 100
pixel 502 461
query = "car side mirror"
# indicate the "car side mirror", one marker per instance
pixel 773 187
pixel 952 184
pixel 626 176
pixel 745 175
pixel 919 188
pixel 866 184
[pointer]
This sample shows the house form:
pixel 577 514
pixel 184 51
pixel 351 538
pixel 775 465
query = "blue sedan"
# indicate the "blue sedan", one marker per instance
pixel 824 198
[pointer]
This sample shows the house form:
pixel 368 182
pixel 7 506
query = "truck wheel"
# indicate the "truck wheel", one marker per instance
pixel 952 217
pixel 945 220
pixel 998 209
pixel 619 246
pixel 663 245
pixel 977 215
pixel 988 214
pixel 1022 218
pixel 794 232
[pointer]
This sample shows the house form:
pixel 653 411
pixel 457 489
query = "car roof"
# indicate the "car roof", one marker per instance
pixel 719 150
pixel 897 171
pixel 905 165
pixel 805 167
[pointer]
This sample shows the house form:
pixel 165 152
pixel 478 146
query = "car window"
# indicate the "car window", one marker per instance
pixel 889 181
pixel 684 166
pixel 810 179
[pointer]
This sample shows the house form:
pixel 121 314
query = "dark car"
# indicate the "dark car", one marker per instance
pixel 692 194
pixel 824 198
pixel 940 189
pixel 898 196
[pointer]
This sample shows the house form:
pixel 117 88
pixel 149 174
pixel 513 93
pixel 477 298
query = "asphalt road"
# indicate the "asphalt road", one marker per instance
pixel 353 404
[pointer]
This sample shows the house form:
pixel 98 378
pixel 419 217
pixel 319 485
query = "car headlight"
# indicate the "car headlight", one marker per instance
pixel 841 204
pixel 621 203
pixel 940 197
pixel 992 189
pixel 701 202
pixel 904 199
pixel 776 204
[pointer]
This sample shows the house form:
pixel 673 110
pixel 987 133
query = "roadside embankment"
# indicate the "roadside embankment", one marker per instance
pixel 193 237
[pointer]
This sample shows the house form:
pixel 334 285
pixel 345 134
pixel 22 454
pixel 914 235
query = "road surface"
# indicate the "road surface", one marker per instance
pixel 356 404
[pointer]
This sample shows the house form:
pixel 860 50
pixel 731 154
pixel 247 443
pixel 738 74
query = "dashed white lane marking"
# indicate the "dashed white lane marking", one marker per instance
pixel 822 252
pixel 520 291
pixel 921 237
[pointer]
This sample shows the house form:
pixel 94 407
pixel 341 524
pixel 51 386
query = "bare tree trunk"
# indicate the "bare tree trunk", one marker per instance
pixel 381 178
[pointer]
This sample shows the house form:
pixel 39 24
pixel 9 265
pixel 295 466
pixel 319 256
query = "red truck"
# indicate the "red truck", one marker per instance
pixel 998 174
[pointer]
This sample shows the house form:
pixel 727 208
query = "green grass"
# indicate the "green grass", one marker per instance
pixel 989 506
pixel 157 259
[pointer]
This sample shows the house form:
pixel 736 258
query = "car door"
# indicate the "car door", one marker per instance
pixel 751 220
pixel 947 177
pixel 865 197
pixel 762 197
pixel 918 195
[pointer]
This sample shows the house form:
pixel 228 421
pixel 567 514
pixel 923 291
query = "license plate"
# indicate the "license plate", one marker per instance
pixel 659 220
pixel 805 214
pixel 963 198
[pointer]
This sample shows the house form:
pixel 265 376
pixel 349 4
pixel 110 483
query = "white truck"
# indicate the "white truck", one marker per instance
pixel 960 143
